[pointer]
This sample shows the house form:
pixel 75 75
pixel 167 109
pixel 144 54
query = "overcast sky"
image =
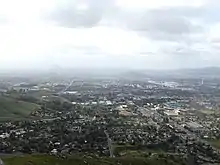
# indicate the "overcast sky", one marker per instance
pixel 134 34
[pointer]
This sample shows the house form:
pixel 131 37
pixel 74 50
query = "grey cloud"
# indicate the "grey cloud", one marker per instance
pixel 207 13
pixel 174 23
pixel 68 15
pixel 163 25
pixel 162 22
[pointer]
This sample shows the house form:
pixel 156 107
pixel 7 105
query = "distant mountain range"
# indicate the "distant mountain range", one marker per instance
pixel 208 72
pixel 202 72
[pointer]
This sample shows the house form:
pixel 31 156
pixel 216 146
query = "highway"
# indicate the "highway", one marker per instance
pixel 66 88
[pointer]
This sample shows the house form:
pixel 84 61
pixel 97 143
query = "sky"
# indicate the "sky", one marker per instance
pixel 131 34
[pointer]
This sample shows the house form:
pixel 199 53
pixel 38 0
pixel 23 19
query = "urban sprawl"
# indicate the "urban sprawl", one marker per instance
pixel 115 117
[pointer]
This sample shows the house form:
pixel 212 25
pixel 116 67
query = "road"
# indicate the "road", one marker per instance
pixel 51 119
pixel 109 144
pixel 1 162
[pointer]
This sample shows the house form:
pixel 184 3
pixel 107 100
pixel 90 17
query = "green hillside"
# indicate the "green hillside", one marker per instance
pixel 215 143
pixel 12 109
pixel 51 160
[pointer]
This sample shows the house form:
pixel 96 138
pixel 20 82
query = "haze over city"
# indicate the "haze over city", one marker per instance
pixel 134 34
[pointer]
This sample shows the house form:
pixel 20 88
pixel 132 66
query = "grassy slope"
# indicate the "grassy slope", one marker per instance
pixel 50 160
pixel 215 143
pixel 11 108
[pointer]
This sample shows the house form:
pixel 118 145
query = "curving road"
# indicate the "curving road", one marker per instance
pixel 109 144
pixel 1 162
pixel 66 88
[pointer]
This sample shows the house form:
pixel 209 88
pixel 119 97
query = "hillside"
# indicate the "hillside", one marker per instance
pixel 80 160
pixel 13 109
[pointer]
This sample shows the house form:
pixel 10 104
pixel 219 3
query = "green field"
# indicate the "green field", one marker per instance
pixel 207 111
pixel 132 150
pixel 13 109
pixel 215 143
pixel 77 160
